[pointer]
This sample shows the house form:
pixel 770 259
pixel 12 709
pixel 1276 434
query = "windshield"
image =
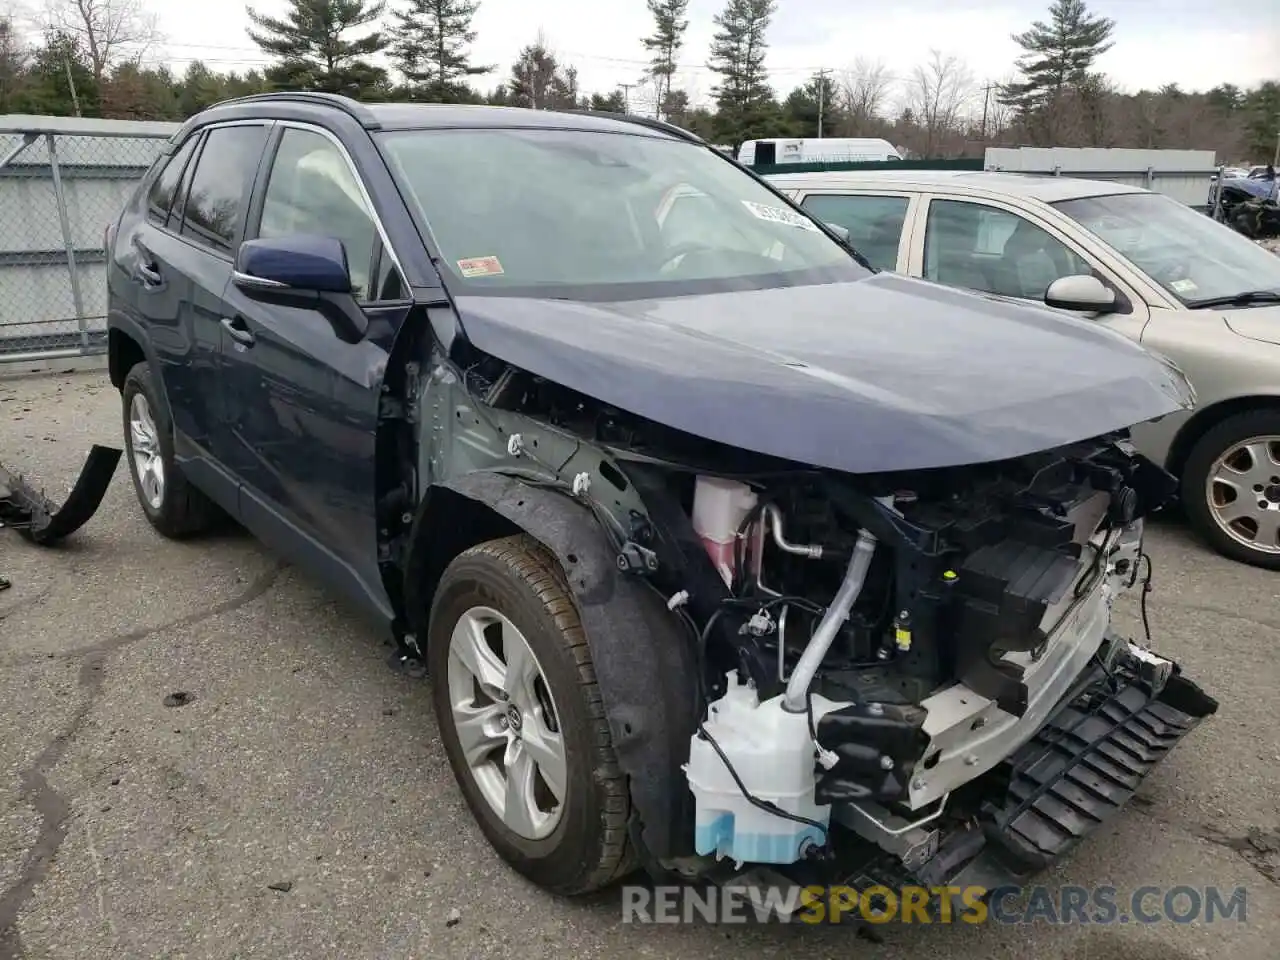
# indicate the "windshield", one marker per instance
pixel 1186 252
pixel 578 215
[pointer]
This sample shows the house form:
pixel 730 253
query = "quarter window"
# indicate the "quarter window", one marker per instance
pixel 312 190
pixel 165 187
pixel 980 247
pixel 874 223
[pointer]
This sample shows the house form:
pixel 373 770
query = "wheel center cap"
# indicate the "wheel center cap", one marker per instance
pixel 513 717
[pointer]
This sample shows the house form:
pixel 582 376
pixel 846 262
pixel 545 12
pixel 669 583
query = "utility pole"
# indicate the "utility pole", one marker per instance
pixel 626 96
pixel 986 100
pixel 71 83
pixel 822 90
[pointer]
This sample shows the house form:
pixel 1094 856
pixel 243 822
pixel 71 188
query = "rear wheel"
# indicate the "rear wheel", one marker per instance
pixel 171 505
pixel 1231 488
pixel 521 717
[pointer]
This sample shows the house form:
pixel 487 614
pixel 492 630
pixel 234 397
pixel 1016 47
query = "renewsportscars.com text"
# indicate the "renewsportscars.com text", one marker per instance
pixel 935 905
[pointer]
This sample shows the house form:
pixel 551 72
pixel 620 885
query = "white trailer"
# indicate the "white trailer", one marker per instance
pixel 778 150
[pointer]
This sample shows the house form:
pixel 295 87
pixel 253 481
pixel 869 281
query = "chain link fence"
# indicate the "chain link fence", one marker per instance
pixel 63 181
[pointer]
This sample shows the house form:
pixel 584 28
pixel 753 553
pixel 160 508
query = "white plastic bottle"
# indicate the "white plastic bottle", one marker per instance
pixel 773 752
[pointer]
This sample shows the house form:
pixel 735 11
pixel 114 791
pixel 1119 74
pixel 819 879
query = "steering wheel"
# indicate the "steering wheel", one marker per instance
pixel 1170 271
pixel 680 250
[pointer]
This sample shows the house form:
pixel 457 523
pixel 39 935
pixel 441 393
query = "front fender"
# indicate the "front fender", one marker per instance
pixel 644 659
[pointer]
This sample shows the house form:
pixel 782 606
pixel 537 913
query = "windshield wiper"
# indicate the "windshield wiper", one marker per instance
pixel 1246 299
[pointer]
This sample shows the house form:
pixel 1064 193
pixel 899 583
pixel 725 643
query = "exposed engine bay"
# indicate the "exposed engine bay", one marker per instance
pixel 876 651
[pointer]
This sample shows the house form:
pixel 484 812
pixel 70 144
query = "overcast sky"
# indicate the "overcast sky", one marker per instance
pixel 1195 43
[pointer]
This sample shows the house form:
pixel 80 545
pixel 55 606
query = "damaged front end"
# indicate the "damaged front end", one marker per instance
pixel 40 520
pixel 941 644
pixel 901 677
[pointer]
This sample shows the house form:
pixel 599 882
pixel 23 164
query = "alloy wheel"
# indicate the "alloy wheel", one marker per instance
pixel 1243 492
pixel 144 442
pixel 506 721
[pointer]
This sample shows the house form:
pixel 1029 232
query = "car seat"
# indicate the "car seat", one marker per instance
pixel 1030 261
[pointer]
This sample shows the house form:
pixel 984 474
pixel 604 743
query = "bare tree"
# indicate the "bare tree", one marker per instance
pixel 937 93
pixel 866 88
pixel 109 31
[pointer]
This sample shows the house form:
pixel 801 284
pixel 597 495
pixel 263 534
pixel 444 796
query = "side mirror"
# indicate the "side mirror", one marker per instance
pixel 839 231
pixel 1082 292
pixel 303 271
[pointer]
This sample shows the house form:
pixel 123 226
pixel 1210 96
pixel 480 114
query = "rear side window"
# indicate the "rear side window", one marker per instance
pixel 215 201
pixel 165 187
pixel 874 223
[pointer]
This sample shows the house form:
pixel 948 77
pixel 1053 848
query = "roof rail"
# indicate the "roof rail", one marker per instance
pixel 649 122
pixel 353 108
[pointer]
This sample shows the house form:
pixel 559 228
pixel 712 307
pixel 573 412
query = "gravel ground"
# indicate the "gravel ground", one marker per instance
pixel 129 828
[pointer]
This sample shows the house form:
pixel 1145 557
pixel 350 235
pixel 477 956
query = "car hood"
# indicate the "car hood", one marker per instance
pixel 882 374
pixel 1256 323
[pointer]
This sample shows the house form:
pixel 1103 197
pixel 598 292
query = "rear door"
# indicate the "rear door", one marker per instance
pixel 877 221
pixel 208 218
pixel 151 275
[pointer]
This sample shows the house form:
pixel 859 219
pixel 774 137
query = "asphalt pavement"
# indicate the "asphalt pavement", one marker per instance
pixel 202 755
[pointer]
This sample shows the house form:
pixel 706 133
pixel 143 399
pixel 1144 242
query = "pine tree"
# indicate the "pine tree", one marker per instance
pixel 538 81
pixel 669 24
pixel 615 102
pixel 59 79
pixel 1058 56
pixel 316 50
pixel 743 98
pixel 804 105
pixel 430 49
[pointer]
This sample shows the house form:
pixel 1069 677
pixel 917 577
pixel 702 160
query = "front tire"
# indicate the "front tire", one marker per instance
pixel 522 720
pixel 171 505
pixel 1231 488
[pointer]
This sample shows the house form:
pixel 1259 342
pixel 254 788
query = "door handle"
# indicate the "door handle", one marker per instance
pixel 238 331
pixel 149 275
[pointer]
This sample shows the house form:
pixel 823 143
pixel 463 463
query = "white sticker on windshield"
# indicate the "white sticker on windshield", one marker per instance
pixel 1184 286
pixel 779 215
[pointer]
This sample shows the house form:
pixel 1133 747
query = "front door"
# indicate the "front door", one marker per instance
pixel 302 402
pixel 990 247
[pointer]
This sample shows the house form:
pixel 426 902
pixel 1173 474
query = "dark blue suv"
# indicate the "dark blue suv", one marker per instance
pixel 714 540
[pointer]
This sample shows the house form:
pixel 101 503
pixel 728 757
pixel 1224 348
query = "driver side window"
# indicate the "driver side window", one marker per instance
pixel 313 190
pixel 984 248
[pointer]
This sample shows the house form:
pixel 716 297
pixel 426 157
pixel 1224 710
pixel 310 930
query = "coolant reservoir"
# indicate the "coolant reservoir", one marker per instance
pixel 773 754
pixel 719 507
